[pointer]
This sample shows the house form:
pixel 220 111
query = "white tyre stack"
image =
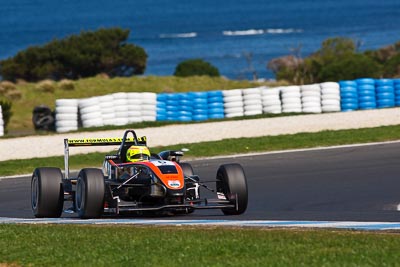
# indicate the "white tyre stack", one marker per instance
pixel 330 97
pixel 134 108
pixel 271 100
pixel 90 112
pixel 66 115
pixel 233 103
pixel 106 103
pixel 291 99
pixel 252 101
pixel 121 108
pixel 1 122
pixel 149 106
pixel 311 98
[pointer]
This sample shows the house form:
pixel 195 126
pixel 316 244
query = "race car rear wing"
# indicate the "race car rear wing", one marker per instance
pixel 122 142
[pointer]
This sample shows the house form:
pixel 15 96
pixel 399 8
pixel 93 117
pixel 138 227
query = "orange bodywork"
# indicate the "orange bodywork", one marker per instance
pixel 172 181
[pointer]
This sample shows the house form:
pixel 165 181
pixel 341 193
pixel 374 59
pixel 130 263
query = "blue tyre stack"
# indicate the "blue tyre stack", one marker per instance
pixel 200 105
pixel 184 109
pixel 172 106
pixel 348 95
pixel 215 105
pixel 396 84
pixel 385 93
pixel 366 93
pixel 161 107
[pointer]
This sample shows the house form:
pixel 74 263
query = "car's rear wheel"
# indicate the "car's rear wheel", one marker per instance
pixel 47 194
pixel 89 196
pixel 231 181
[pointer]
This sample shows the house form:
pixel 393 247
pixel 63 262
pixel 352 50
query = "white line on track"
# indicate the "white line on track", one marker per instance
pixel 371 226
pixel 302 150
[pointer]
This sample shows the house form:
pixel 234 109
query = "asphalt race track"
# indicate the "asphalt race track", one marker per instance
pixel 360 183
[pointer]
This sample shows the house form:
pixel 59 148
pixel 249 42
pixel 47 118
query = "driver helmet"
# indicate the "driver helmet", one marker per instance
pixel 137 153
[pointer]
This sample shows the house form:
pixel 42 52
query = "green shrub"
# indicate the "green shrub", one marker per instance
pixel 6 110
pixel 337 59
pixel 195 67
pixel 350 68
pixel 392 67
pixel 77 56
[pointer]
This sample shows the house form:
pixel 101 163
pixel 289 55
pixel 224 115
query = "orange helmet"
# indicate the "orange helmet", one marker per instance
pixel 137 153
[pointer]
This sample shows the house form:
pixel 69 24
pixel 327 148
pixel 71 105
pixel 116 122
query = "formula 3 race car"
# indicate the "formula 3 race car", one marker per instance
pixel 160 185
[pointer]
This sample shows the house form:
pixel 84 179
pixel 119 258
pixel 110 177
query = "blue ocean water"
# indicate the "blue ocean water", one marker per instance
pixel 221 32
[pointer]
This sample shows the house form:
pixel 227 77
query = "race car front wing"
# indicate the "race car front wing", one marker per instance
pixel 121 206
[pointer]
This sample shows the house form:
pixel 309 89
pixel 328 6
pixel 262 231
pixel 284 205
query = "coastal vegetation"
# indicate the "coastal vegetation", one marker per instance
pixel 77 56
pixel 196 67
pixel 338 59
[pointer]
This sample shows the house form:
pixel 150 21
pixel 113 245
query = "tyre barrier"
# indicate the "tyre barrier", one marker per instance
pixel 215 105
pixel 106 103
pixel 66 115
pixel 348 95
pixel 43 118
pixel 252 101
pixel 330 97
pixel 366 93
pixel 291 99
pixel 173 107
pixel 385 93
pixel 233 103
pixel 121 109
pixel 192 106
pixel 125 108
pixel 200 105
pixel 1 122
pixel 370 94
pixel 148 106
pixel 90 112
pixel 396 84
pixel 134 107
pixel 161 107
pixel 271 100
pixel 311 98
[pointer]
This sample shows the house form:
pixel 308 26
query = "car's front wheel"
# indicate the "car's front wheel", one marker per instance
pixel 89 196
pixel 232 183
pixel 186 168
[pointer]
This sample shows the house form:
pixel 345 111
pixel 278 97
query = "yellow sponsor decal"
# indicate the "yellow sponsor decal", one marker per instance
pixel 89 141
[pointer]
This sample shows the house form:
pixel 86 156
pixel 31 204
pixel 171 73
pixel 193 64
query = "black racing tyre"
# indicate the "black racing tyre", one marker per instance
pixel 231 181
pixel 186 168
pixel 47 193
pixel 89 196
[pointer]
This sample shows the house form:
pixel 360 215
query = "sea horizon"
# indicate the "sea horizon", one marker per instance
pixel 238 37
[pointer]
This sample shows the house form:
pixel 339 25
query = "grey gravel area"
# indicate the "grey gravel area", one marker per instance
pixel 45 146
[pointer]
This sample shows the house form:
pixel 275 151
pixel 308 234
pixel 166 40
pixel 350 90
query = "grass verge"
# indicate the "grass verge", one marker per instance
pixel 224 147
pixel 71 245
